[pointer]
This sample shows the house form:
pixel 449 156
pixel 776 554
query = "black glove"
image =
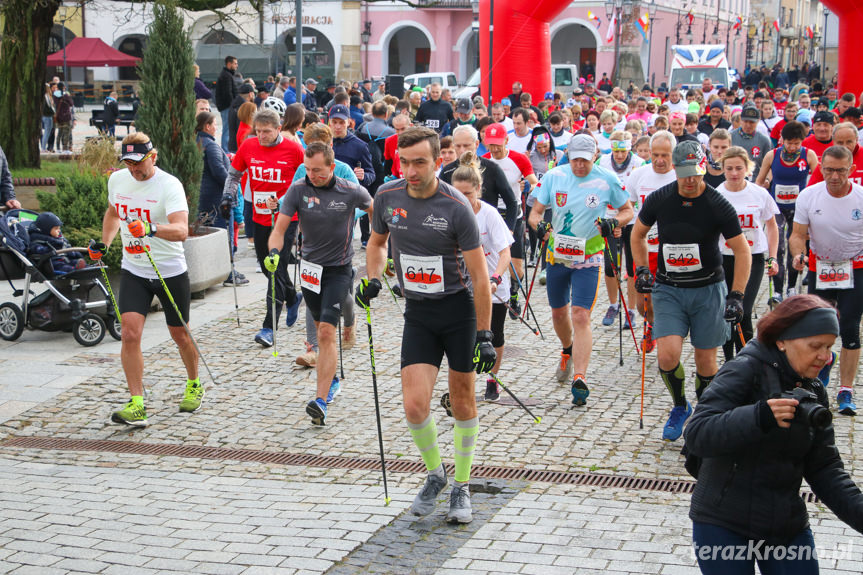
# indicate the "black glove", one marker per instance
pixel 607 226
pixel 643 279
pixel 542 228
pixel 225 208
pixel 484 355
pixel 734 307
pixel 367 290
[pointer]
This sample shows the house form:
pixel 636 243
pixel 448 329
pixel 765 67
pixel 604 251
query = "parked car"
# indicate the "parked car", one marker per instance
pixel 445 79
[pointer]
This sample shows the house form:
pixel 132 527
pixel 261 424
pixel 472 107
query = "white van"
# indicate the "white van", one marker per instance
pixel 692 63
pixel 564 76
pixel 446 80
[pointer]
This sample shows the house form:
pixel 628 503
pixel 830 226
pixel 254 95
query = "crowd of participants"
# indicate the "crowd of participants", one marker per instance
pixel 680 203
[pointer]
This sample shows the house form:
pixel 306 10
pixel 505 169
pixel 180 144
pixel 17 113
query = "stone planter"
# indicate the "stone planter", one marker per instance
pixel 207 258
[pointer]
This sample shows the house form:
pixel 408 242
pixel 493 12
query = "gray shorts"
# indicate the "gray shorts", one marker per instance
pixel 696 311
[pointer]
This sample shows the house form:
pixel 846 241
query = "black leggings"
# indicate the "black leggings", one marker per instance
pixel 285 291
pixel 849 305
pixel 535 240
pixel 756 272
pixel 784 219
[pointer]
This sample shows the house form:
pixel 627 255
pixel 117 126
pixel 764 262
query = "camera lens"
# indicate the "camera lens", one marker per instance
pixel 820 417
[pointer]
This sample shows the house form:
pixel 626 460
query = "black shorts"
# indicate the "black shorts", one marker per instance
pixel 434 327
pixel 498 320
pixel 327 305
pixel 136 293
pixel 516 250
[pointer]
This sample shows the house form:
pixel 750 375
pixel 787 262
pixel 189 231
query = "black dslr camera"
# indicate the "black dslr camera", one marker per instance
pixel 808 408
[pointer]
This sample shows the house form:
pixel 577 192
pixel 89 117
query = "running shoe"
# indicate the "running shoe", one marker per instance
pixel 445 403
pixel 774 301
pixel 846 403
pixel 308 359
pixel 132 414
pixel 492 391
pixel 293 311
pixel 790 292
pixel 193 396
pixel 565 369
pixel 265 337
pixel 424 502
pixel 335 389
pixel 579 392
pixel 349 337
pixel 515 306
pixel 648 344
pixel 610 315
pixel 824 374
pixel 674 426
pixel 235 279
pixel 542 277
pixel 459 504
pixel 317 410
pixel 630 317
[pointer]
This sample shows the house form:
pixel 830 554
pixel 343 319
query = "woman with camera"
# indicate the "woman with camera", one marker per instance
pixel 759 429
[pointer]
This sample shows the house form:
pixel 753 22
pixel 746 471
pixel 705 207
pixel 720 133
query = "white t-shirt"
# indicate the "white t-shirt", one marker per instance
pixel 681 106
pixel 517 143
pixel 602 142
pixel 561 141
pixel 766 126
pixel 754 206
pixel 151 201
pixel 494 236
pixel 606 162
pixel 835 224
pixel 644 181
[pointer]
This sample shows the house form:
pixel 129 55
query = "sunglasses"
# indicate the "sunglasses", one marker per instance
pixel 134 163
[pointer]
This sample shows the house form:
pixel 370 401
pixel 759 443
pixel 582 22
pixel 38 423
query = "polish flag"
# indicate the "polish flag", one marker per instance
pixel 609 36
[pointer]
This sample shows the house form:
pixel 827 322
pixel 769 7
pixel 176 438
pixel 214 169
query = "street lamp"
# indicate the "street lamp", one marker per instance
pixel 365 36
pixel 618 8
pixel 651 12
pixel 63 15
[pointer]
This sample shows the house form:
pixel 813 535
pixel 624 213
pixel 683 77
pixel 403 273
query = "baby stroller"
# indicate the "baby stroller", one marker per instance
pixel 76 301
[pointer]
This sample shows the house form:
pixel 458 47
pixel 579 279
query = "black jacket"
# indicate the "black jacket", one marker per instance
pixel 434 114
pixel 215 173
pixel 751 471
pixel 354 152
pixel 495 187
pixel 226 89
pixel 111 112
pixel 234 122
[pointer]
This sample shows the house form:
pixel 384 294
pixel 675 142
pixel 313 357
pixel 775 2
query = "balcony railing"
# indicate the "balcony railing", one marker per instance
pixel 446 4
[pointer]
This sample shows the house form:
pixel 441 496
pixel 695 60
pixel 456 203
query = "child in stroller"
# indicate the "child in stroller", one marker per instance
pixel 46 238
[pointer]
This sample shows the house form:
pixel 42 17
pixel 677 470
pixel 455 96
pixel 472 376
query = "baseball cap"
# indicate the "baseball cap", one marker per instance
pixel 311 81
pixel 463 106
pixel 750 113
pixel 135 152
pixel 689 159
pixel 824 116
pixel 495 134
pixel 246 89
pixel 340 111
pixel 717 104
pixel 581 146
pixel 549 96
pixel 804 117
pixel 851 112
pixel 506 102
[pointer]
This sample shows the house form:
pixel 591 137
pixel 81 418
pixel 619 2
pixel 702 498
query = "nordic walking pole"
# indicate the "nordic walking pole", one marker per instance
pixel 533 278
pixel 618 280
pixel 526 305
pixel 643 363
pixel 527 325
pixel 506 389
pixel 273 294
pixel 377 404
pixel 233 269
pixel 177 309
pixel 395 299
pixel 104 269
pixel 341 362
pixel 740 334
pixel 616 273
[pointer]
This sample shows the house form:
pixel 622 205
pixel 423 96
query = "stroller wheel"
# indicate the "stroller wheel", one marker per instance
pixel 114 327
pixel 11 321
pixel 89 330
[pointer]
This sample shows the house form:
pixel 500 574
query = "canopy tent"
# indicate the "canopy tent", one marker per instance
pixel 87 52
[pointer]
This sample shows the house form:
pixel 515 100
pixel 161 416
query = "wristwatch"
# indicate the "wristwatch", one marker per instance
pixel 495 279
pixel 152 230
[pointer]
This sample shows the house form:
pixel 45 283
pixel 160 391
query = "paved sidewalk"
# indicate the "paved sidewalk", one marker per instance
pixel 96 510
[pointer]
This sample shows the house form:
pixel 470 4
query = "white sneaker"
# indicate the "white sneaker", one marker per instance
pixel 565 369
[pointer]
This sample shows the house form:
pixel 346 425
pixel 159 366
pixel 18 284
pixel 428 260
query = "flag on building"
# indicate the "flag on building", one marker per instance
pixel 594 18
pixel 690 17
pixel 738 22
pixel 643 25
pixel 776 25
pixel 609 36
pixel 809 33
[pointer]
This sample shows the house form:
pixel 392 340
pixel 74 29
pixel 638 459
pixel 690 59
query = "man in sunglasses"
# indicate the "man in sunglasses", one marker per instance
pixel 148 207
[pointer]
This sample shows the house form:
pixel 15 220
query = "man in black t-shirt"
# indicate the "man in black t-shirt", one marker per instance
pixel 689 295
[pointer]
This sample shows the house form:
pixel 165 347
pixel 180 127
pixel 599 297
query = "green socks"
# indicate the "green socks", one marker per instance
pixel 464 433
pixel 674 382
pixel 701 383
pixel 195 381
pixel 138 400
pixel 425 438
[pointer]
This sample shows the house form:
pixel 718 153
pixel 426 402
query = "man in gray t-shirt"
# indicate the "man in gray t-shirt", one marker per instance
pixel 750 139
pixel 325 205
pixel 439 258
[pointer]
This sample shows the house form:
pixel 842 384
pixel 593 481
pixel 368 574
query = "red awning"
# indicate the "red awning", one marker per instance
pixel 88 52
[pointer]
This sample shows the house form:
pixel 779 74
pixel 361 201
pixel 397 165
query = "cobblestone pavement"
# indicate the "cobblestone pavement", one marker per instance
pixel 103 512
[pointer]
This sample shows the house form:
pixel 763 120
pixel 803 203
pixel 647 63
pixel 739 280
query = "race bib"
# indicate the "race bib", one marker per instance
pixel 834 275
pixel 681 258
pixel 135 247
pixel 787 193
pixel 433 124
pixel 653 239
pixel 260 200
pixel 310 276
pixel 422 274
pixel 569 249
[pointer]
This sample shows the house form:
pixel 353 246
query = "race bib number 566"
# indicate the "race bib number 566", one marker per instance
pixel 422 274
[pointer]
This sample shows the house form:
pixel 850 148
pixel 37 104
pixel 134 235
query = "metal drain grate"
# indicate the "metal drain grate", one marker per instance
pixel 598 480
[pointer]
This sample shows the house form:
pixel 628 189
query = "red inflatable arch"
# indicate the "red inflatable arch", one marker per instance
pixel 521 45
pixel 521 49
pixel 850 14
